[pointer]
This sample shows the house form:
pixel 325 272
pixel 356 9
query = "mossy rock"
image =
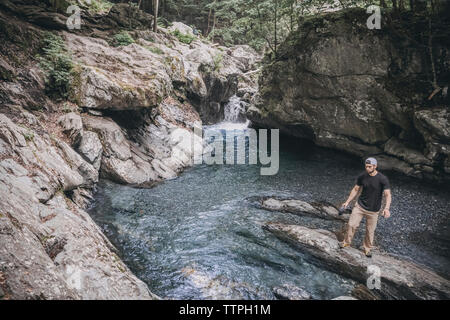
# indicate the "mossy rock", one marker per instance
pixel 6 71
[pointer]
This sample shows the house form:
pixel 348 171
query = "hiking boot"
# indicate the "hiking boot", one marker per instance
pixel 343 245
pixel 368 254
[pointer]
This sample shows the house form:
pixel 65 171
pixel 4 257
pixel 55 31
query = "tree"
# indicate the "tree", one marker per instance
pixel 155 15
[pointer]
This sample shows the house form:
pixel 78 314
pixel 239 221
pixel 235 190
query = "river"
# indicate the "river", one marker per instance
pixel 199 236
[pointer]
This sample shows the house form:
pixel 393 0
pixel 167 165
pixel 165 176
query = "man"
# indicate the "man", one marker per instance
pixel 373 184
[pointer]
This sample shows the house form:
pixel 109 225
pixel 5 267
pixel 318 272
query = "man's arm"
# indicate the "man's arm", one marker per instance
pixel 352 195
pixel 387 208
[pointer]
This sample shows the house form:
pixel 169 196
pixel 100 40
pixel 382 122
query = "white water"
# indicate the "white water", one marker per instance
pixel 234 110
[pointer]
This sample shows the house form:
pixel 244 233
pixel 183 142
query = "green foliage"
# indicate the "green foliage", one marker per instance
pixel 184 38
pixel 93 6
pixel 56 62
pixel 163 22
pixel 218 59
pixel 99 6
pixel 122 38
pixel 154 49
pixel 28 135
pixel 265 24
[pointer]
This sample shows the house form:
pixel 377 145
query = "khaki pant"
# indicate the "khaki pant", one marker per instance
pixel 353 223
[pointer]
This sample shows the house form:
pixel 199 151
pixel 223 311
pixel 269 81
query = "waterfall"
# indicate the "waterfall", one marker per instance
pixel 234 110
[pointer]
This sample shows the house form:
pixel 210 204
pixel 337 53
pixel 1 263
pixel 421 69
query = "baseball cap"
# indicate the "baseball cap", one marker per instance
pixel 372 161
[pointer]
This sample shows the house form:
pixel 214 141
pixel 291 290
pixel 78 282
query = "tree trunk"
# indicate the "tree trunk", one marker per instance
pixel 214 24
pixel 155 14
pixel 276 27
pixel 394 4
pixel 209 21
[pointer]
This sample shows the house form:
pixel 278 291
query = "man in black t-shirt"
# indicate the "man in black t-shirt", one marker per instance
pixel 373 184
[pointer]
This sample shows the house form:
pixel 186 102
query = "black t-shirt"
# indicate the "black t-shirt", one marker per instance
pixel 372 190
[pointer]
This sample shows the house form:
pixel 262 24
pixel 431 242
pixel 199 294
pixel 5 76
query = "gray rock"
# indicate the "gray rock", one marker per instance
pixel 396 148
pixel 434 124
pixel 135 80
pixel 386 162
pixel 82 197
pixel 72 126
pixel 7 73
pixel 299 207
pixel 156 152
pixel 361 292
pixel 49 247
pixel 181 27
pixel 291 292
pixel 400 279
pixel 77 163
pixel 245 55
pixel 91 148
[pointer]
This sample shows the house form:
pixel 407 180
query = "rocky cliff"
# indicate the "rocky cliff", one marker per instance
pixel 366 92
pixel 124 103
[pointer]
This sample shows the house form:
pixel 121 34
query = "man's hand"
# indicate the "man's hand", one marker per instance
pixel 352 195
pixel 386 213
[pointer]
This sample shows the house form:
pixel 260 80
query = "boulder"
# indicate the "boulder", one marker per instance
pixel 396 148
pixel 400 279
pixel 433 124
pixel 7 73
pixel 246 55
pixel 121 78
pixel 361 292
pixel 291 292
pixel 386 162
pixel 72 126
pixel 181 27
pixel 91 148
pixel 143 74
pixel 156 151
